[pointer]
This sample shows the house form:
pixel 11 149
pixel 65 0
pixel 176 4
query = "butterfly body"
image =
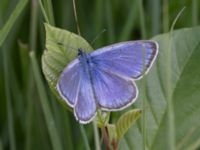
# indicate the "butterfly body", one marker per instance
pixel 104 79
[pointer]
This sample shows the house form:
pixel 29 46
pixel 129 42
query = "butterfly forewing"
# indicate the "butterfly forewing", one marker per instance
pixel 75 88
pixel 129 59
pixel 85 107
pixel 68 85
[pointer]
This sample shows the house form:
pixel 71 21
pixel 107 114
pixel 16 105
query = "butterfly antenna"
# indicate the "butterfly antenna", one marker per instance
pixel 76 18
pixel 98 35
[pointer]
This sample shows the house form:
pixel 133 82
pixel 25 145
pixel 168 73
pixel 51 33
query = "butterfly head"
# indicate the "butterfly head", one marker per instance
pixel 80 52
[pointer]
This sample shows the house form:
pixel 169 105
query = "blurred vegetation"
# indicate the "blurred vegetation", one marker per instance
pixel 30 116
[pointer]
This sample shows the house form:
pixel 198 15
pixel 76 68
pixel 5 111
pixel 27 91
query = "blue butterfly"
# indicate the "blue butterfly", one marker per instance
pixel 104 79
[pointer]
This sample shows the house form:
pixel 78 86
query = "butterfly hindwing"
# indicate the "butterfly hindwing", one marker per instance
pixel 85 107
pixel 112 92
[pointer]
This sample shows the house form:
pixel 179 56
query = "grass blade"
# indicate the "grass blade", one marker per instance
pixel 170 106
pixel 43 12
pixel 155 8
pixel 87 146
pixel 130 22
pixel 13 17
pixel 98 20
pixel 142 19
pixel 49 11
pixel 45 105
pixel 165 16
pixel 110 23
pixel 1 145
pixel 8 99
pixel 32 43
pixel 195 12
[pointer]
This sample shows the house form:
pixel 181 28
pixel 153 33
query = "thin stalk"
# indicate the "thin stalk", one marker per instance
pixel 165 15
pixel 43 12
pixel 76 18
pixel 32 41
pixel 105 137
pixel 96 136
pixel 170 107
pixel 49 11
pixel 195 12
pixel 10 117
pixel 144 103
pixel 87 146
pixel 54 136
pixel 142 19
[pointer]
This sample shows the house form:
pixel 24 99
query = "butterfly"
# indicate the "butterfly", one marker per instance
pixel 104 78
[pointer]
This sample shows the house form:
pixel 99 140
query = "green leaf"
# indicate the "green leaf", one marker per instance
pixel 185 74
pixel 126 121
pixel 61 48
pixel 11 21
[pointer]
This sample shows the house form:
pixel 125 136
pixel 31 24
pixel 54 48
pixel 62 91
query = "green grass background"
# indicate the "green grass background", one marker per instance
pixel 22 105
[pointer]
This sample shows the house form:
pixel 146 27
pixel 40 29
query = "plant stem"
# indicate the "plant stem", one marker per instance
pixel 105 137
pixel 76 18
pixel 96 136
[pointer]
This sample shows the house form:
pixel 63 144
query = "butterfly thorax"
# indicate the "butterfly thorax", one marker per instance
pixel 80 52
